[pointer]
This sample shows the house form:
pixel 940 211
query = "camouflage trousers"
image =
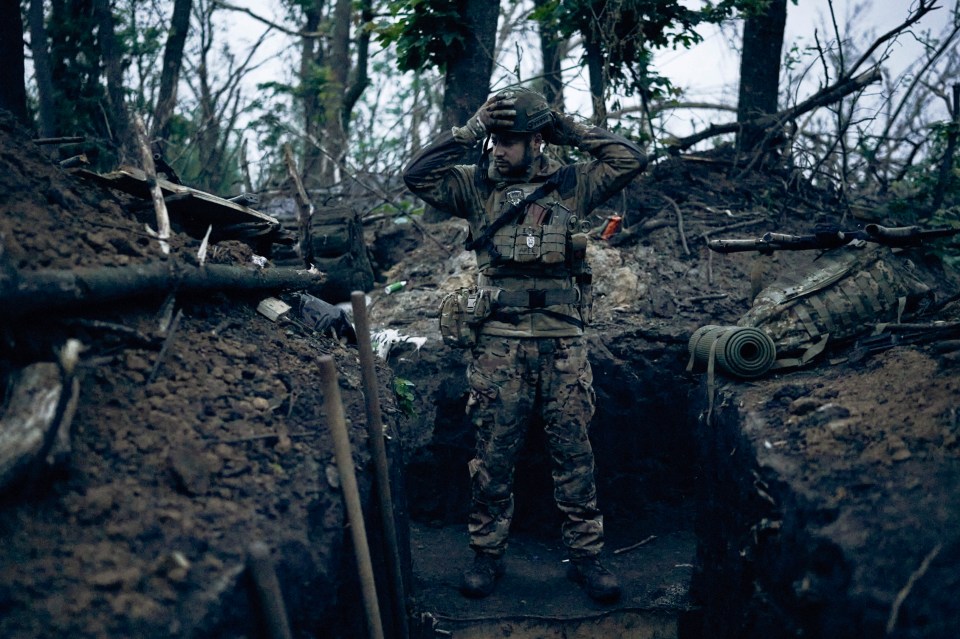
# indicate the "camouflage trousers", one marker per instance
pixel 509 378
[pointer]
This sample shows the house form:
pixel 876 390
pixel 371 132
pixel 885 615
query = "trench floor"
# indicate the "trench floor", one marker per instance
pixel 535 599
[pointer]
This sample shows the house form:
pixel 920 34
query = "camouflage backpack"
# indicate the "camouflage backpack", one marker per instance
pixel 841 297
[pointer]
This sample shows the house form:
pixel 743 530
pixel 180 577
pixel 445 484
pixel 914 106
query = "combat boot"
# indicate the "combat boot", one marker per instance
pixel 598 582
pixel 480 578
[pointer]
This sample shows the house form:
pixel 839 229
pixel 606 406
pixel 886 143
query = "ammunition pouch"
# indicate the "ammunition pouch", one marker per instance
pixel 520 244
pixel 461 314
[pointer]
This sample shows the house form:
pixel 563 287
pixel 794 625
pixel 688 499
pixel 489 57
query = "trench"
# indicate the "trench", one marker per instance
pixel 642 434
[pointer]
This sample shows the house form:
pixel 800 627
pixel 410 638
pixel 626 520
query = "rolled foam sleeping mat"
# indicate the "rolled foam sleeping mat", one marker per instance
pixel 742 351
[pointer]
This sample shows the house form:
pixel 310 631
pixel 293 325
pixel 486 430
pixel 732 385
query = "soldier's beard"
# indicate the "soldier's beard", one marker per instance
pixel 518 169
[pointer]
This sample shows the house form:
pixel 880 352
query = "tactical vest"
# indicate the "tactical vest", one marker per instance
pixel 541 236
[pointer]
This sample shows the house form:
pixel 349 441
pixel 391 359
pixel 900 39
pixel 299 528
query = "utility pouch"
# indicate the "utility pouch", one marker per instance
pixel 461 314
pixel 527 244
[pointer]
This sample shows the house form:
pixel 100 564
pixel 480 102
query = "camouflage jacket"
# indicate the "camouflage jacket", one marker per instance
pixel 476 193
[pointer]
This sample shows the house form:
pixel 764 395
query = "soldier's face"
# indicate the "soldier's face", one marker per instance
pixel 514 153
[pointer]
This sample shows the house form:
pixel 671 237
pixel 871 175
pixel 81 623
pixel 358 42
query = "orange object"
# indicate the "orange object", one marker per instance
pixel 613 225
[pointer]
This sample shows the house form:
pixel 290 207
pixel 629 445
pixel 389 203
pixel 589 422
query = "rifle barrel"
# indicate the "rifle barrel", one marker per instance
pixel 735 246
pixel 898 236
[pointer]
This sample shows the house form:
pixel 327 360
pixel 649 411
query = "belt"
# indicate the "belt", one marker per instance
pixel 537 297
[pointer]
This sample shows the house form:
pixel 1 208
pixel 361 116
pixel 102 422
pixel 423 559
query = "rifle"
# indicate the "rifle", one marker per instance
pixel 833 237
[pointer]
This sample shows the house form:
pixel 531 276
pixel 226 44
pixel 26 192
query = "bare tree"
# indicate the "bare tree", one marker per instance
pixel 216 86
pixel 333 76
pixel 110 52
pixel 170 71
pixel 347 81
pixel 760 69
pixel 42 69
pixel 552 52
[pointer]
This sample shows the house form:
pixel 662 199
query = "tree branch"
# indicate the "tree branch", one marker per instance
pixel 47 290
pixel 269 23
pixel 828 95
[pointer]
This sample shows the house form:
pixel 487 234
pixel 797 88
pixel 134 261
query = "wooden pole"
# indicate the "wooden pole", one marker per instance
pixel 351 493
pixel 375 432
pixel 269 595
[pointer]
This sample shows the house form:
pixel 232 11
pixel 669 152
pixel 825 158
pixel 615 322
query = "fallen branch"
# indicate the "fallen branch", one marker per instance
pixel 696 299
pixel 642 542
pixel 33 291
pixel 676 209
pixel 72 139
pixel 171 331
pixel 156 194
pixel 905 591
pixel 828 95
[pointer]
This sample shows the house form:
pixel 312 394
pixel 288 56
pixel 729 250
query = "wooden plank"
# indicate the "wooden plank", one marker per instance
pixel 191 207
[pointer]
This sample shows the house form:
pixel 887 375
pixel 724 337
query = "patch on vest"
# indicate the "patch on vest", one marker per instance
pixel 514 196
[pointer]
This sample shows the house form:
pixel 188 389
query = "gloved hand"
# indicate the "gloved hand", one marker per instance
pixel 565 131
pixel 497 112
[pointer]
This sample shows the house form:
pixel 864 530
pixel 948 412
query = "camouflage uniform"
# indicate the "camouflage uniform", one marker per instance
pixel 531 353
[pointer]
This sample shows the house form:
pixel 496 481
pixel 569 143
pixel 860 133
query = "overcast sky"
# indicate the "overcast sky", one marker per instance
pixel 708 72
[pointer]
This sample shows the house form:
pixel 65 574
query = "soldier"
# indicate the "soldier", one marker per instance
pixel 527 217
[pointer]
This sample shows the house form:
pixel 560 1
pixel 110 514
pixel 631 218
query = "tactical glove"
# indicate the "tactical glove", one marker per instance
pixel 498 112
pixel 565 131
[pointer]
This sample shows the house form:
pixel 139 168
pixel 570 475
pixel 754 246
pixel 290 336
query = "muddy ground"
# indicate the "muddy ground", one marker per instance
pixel 144 530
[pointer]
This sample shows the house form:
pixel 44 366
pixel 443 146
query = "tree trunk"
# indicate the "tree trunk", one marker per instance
pixel 113 63
pixel 467 79
pixel 361 79
pixel 13 92
pixel 550 52
pixel 210 136
pixel 466 83
pixel 311 58
pixel 42 70
pixel 760 69
pixel 334 134
pixel 170 73
pixel 595 62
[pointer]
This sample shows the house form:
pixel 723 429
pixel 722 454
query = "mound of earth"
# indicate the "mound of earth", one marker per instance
pixel 187 445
